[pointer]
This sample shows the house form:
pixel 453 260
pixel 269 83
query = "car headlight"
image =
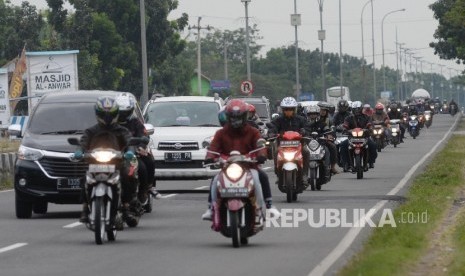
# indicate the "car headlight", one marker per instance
pixel 289 155
pixel 103 155
pixel 25 153
pixel 206 142
pixel 234 171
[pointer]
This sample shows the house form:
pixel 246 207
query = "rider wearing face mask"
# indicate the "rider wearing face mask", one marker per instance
pixel 290 121
pixel 358 120
pixel 238 135
pixel 328 123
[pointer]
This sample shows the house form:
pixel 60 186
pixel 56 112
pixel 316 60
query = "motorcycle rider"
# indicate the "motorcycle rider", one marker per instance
pixel 412 109
pixel 252 117
pixel 452 104
pixel 315 124
pixel 328 123
pixel 146 164
pixel 395 114
pixel 290 121
pixel 240 136
pixel 358 119
pixel 381 115
pixel 341 114
pixel 108 131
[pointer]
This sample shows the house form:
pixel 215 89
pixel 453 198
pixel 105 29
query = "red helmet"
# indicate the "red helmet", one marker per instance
pixel 236 111
pixel 379 106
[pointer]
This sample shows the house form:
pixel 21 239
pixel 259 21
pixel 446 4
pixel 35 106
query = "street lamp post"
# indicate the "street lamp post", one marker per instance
pixel 373 46
pixel 363 50
pixel 247 49
pixel 322 37
pixel 442 85
pixel 199 60
pixel 340 46
pixel 382 42
pixel 143 41
pixel 296 21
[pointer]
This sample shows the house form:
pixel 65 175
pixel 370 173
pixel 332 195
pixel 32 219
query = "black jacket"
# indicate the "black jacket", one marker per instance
pixel 282 124
pixel 115 137
pixel 339 118
pixel 136 127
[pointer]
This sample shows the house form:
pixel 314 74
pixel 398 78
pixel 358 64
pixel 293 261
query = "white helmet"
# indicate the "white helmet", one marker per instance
pixel 357 104
pixel 288 102
pixel 312 109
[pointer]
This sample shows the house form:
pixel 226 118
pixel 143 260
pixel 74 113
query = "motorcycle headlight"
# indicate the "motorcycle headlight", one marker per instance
pixel 289 155
pixel 313 145
pixel 357 133
pixel 25 153
pixel 427 117
pixel 206 142
pixel 394 130
pixel 234 171
pixel 103 155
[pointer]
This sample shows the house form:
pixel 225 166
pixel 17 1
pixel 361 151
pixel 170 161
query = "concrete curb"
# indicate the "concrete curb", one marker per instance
pixel 7 162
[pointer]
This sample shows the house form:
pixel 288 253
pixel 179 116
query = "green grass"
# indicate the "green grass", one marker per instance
pixel 9 146
pixel 458 240
pixel 395 251
pixel 6 181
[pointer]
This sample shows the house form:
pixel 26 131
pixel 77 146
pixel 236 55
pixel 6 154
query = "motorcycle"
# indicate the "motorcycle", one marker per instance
pixel 358 151
pixel 444 109
pixel 453 110
pixel 235 211
pixel 319 166
pixel 378 135
pixel 289 165
pixel 395 132
pixel 340 137
pixel 103 188
pixel 421 120
pixel 428 118
pixel 413 128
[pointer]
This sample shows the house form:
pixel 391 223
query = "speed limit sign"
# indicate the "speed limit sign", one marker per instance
pixel 247 87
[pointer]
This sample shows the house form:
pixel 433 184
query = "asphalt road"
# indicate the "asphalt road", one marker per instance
pixel 173 240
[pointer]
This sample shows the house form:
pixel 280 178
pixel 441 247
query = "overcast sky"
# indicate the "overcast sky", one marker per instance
pixel 415 26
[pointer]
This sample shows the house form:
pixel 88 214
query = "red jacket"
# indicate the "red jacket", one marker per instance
pixel 228 139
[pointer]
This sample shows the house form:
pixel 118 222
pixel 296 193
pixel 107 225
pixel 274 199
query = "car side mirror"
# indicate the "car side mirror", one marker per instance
pixel 149 128
pixel 15 130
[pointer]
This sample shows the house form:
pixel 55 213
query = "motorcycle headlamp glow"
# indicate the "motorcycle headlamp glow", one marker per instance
pixel 103 155
pixel 394 130
pixel 289 155
pixel 427 117
pixel 234 171
pixel 357 133
pixel 313 145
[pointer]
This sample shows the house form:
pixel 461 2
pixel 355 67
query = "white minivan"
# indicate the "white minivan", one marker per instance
pixel 184 128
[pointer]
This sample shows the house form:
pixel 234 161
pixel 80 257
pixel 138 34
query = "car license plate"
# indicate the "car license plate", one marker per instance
pixel 234 192
pixel 69 184
pixel 101 168
pixel 178 156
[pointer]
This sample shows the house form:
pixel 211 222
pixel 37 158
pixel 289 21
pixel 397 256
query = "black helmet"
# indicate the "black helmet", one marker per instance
pixel 342 106
pixel 106 111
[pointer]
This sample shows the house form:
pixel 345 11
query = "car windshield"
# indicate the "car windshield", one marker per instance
pixel 261 110
pixel 173 114
pixel 59 118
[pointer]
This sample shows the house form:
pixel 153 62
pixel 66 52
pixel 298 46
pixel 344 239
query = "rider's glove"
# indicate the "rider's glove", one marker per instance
pixel 78 154
pixel 261 159
pixel 129 155
pixel 209 161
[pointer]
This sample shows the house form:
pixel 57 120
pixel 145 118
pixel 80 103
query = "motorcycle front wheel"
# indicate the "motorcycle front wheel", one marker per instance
pixel 289 184
pixel 99 223
pixel 235 231
pixel 358 166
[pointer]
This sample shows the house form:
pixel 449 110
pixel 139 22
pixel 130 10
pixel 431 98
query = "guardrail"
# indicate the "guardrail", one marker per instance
pixel 7 162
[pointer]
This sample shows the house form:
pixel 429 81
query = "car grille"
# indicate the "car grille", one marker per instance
pixel 197 164
pixel 181 146
pixel 63 167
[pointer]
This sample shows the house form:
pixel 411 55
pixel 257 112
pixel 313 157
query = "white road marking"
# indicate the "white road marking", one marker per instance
pixel 6 191
pixel 349 238
pixel 11 247
pixel 201 187
pixel 168 196
pixel 72 225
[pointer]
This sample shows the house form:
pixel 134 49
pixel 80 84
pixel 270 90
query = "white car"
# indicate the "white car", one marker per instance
pixel 184 127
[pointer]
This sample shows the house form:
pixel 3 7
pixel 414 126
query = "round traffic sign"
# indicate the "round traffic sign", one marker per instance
pixel 247 87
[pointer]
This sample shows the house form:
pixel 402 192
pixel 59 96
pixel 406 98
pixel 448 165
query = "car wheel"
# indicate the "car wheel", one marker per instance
pixel 40 207
pixel 23 208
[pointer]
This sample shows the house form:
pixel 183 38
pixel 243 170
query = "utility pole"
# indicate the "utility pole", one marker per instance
pixel 225 58
pixel 143 41
pixel 199 62
pixel 296 21
pixel 247 39
pixel 442 85
pixel 322 37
